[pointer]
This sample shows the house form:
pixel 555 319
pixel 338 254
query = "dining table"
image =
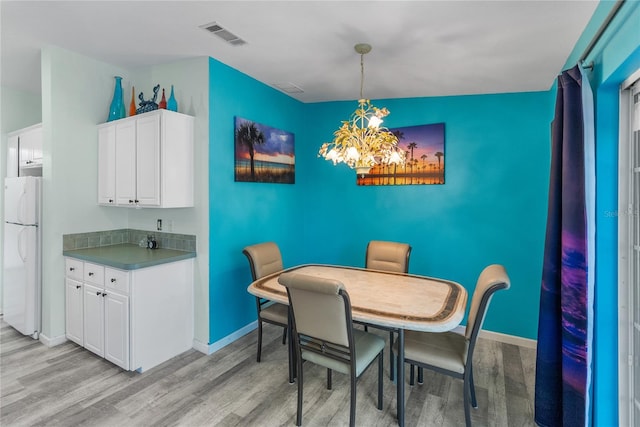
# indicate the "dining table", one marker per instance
pixel 397 301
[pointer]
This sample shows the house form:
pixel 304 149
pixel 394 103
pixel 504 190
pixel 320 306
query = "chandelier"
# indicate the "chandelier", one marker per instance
pixel 361 142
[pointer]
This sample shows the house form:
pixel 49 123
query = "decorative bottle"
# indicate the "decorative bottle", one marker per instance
pixel 163 102
pixel 132 105
pixel 116 108
pixel 172 104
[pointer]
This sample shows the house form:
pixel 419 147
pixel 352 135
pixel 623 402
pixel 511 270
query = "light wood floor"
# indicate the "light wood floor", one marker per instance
pixel 69 386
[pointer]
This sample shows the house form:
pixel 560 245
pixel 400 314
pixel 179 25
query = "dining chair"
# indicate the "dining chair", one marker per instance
pixel 264 259
pixel 451 353
pixel 387 256
pixel 323 333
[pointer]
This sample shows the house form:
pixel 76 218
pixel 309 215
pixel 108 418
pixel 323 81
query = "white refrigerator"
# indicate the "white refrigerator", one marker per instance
pixel 22 254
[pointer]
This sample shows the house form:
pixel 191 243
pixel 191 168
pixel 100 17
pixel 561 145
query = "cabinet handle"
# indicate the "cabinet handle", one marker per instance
pixel 72 269
pixel 110 200
pixel 137 201
pixel 78 286
pixel 90 274
pixel 104 294
pixel 98 293
pixel 130 201
pixel 113 280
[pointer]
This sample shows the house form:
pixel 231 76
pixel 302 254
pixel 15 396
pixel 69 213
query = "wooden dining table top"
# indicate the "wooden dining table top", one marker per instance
pixel 395 300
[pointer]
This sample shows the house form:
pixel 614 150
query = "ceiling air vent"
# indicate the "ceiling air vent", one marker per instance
pixel 288 87
pixel 224 34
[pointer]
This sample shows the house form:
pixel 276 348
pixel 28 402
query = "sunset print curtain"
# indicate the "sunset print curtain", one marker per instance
pixel 563 363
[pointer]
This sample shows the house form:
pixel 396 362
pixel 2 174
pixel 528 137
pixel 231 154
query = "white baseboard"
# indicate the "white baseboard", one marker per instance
pixel 52 342
pixel 201 347
pixel 507 339
pixel 494 336
pixel 213 347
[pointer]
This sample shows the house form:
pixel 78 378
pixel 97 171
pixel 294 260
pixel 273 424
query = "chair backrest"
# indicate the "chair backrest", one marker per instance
pixel 492 279
pixel 264 259
pixel 388 256
pixel 321 307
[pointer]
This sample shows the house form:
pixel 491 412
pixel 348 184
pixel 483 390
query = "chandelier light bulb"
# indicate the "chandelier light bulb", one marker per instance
pixel 375 122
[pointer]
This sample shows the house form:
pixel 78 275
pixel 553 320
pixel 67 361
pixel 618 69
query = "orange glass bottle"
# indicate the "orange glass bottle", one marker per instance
pixel 163 101
pixel 132 105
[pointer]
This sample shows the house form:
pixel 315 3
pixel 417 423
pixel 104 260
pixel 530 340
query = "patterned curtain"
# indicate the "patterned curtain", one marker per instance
pixel 563 364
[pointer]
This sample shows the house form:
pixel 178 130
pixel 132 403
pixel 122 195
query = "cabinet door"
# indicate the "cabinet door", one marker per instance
pixel 107 165
pixel 116 327
pixel 126 163
pixel 93 316
pixel 31 147
pixel 73 311
pixel 148 160
pixel 12 156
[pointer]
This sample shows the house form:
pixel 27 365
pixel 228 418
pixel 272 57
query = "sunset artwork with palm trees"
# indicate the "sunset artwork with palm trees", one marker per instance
pixel 424 149
pixel 263 153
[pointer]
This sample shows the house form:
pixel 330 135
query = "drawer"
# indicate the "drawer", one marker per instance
pixel 73 269
pixel 94 273
pixel 117 280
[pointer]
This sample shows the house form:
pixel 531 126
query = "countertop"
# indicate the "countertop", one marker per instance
pixel 128 256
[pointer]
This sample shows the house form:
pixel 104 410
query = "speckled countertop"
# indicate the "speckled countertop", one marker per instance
pixel 128 256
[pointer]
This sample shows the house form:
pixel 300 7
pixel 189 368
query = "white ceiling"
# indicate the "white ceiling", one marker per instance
pixel 420 48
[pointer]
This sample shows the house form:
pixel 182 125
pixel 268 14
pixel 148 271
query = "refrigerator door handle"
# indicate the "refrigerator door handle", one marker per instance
pixel 21 203
pixel 21 248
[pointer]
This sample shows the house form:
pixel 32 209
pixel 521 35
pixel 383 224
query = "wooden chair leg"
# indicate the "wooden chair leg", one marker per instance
pixel 284 336
pixel 420 375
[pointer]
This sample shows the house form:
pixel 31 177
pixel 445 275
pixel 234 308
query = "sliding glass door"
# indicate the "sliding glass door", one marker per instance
pixel 629 256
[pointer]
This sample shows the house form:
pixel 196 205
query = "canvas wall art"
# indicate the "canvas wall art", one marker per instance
pixel 424 149
pixel 263 153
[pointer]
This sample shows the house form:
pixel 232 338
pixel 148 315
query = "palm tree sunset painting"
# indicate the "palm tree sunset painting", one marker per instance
pixel 263 153
pixel 424 149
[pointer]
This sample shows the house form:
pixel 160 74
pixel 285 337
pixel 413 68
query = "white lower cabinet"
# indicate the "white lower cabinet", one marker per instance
pixel 136 319
pixel 73 314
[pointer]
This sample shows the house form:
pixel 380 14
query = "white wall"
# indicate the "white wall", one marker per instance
pixel 18 109
pixel 76 94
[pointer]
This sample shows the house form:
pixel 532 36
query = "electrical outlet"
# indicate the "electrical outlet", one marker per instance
pixel 159 225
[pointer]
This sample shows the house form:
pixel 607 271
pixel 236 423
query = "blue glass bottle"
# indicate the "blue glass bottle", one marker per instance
pixel 116 109
pixel 172 104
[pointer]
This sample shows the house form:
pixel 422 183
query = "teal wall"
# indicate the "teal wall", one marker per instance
pixel 492 208
pixel 243 213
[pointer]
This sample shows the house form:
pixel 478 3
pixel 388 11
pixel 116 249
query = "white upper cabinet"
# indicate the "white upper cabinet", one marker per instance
pixel 106 165
pixel 146 161
pixel 31 147
pixel 13 144
pixel 24 151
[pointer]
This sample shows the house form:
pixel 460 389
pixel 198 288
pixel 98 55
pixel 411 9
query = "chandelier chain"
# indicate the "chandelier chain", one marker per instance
pixel 361 74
